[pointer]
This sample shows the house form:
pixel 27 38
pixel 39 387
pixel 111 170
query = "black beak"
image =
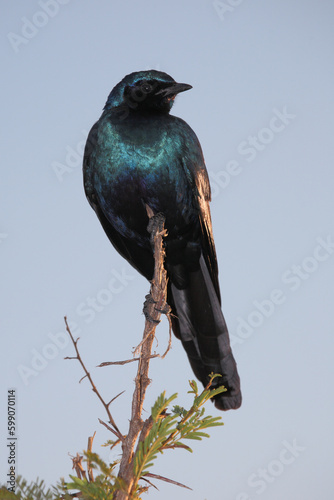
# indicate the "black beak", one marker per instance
pixel 173 89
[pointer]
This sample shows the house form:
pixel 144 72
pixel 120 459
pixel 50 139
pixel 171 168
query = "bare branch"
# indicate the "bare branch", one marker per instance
pixel 77 465
pixel 149 482
pixel 169 339
pixel 155 305
pixel 108 363
pixel 89 467
pixel 162 478
pixel 78 357
pixel 121 438
pixel 113 399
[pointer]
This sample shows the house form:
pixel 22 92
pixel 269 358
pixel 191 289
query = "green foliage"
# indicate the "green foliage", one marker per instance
pixel 168 431
pixel 104 485
pixel 162 431
pixel 33 491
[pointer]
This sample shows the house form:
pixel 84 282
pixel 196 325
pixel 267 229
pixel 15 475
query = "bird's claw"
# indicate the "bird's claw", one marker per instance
pixel 165 310
pixel 149 300
pixel 149 318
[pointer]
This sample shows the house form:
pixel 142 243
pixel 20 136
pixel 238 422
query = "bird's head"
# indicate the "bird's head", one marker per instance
pixel 146 91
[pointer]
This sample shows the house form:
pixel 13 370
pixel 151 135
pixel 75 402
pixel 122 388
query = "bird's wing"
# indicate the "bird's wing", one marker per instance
pixel 195 169
pixel 140 258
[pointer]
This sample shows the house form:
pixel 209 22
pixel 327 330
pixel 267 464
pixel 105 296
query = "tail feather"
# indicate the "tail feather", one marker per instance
pixel 204 335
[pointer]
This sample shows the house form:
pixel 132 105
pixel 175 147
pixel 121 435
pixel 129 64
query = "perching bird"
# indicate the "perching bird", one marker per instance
pixel 137 154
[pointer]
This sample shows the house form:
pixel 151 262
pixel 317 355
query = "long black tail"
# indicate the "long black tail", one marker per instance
pixel 201 326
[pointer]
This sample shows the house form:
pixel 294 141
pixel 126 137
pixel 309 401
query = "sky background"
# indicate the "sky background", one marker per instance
pixel 262 107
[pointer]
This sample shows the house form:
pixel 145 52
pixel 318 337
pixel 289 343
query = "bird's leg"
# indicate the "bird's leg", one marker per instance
pixel 155 224
pixel 163 310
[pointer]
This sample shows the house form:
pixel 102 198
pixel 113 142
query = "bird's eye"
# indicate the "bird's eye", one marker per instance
pixel 146 88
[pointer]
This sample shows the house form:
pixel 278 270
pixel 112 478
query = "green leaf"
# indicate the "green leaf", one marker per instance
pixel 193 386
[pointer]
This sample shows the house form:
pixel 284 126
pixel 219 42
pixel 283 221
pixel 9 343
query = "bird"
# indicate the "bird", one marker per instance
pixel 137 155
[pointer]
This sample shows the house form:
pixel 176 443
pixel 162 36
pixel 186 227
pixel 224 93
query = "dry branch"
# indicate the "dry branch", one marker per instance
pixel 87 374
pixel 155 304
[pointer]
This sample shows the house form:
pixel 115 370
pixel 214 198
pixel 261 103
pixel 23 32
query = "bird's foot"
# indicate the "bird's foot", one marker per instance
pixel 165 310
pixel 148 301
pixel 149 318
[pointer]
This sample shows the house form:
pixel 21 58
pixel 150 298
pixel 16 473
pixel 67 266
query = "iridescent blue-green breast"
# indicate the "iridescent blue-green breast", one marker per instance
pixel 143 160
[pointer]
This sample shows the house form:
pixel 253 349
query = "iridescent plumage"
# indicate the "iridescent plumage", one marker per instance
pixel 137 154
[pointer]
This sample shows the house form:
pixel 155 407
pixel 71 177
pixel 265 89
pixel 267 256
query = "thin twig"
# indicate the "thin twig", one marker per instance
pixel 89 466
pixel 162 478
pixel 77 465
pixel 108 363
pixel 111 430
pixel 87 374
pixel 149 482
pixel 115 397
pixel 169 346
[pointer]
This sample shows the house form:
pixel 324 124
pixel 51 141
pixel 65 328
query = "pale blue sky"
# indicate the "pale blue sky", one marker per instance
pixel 262 107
